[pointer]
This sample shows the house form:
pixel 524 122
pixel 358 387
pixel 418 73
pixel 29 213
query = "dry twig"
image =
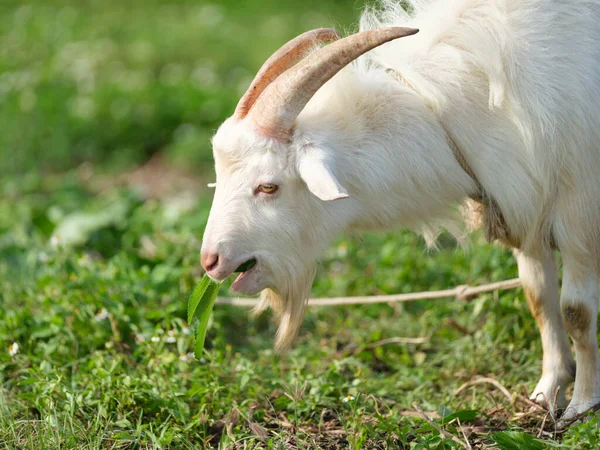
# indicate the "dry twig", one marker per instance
pixel 482 380
pixel 461 292
pixel 394 340
pixel 563 425
pixel 531 403
pixel 464 434
pixel 543 423
pixel 398 340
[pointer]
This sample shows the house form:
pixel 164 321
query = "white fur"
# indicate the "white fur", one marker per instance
pixel 579 304
pixel 539 277
pixel 517 85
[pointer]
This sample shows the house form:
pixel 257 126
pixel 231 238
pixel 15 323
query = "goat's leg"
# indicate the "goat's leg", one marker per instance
pixel 579 306
pixel 540 285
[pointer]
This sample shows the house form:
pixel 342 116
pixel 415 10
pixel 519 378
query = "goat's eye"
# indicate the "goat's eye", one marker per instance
pixel 267 188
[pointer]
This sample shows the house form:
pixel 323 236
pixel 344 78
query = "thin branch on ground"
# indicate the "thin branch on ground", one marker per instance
pixel 485 380
pixel 454 324
pixel 394 340
pixel 464 434
pixel 563 425
pixel 543 423
pixel 462 292
pixel 555 402
pixel 409 413
pixel 531 403
pixel 399 340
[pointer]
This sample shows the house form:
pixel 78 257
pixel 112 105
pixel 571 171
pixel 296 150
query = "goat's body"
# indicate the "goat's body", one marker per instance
pixel 516 85
pixel 513 84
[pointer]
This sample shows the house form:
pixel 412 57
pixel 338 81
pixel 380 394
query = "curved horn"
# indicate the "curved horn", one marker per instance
pixel 284 58
pixel 276 110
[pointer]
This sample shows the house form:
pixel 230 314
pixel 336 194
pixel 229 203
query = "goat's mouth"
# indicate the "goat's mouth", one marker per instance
pixel 245 266
pixel 246 269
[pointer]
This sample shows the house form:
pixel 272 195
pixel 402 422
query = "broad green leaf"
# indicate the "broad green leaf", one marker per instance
pixel 196 297
pixel 463 416
pixel 517 440
pixel 200 305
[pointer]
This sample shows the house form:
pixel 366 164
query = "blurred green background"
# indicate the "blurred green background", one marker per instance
pixel 113 82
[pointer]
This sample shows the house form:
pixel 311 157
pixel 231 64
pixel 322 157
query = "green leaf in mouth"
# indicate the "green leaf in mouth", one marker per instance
pixel 200 304
pixel 202 301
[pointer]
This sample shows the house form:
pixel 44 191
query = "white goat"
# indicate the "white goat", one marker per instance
pixel 497 100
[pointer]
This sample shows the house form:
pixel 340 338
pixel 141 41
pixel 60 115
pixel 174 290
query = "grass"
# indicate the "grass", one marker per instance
pixel 97 260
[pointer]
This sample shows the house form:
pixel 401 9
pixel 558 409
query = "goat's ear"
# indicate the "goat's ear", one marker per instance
pixel 316 171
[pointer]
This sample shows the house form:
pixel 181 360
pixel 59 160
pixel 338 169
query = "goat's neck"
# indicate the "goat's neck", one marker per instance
pixel 390 152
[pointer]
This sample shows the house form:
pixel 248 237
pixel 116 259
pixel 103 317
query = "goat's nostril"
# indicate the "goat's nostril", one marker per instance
pixel 209 261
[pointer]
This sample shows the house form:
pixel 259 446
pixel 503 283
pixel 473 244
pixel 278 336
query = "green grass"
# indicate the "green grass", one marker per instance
pixel 95 274
pixel 103 359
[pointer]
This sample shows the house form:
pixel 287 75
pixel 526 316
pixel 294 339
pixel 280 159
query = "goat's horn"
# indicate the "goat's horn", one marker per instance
pixel 276 110
pixel 284 58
